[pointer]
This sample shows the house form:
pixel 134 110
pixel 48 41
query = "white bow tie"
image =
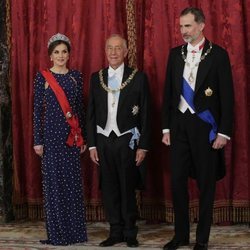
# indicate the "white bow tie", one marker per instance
pixel 111 72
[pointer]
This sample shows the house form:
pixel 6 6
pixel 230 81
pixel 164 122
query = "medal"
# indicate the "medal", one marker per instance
pixel 208 92
pixel 68 115
pixel 135 110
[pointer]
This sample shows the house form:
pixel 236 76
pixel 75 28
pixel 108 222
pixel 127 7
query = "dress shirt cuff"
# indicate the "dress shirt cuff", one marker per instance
pixel 90 148
pixel 166 130
pixel 227 137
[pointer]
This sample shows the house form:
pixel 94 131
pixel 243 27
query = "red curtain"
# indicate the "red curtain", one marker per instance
pixel 88 24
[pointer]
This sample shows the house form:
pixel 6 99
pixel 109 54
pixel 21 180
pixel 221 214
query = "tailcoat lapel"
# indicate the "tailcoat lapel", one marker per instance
pixel 179 68
pixel 125 91
pixel 204 67
pixel 103 93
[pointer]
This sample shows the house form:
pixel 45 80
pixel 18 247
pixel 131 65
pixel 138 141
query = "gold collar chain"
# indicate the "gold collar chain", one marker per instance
pixel 202 57
pixel 123 85
pixel 191 77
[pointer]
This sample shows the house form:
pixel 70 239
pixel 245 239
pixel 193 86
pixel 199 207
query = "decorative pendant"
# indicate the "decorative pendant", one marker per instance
pixel 113 102
pixel 193 56
pixel 191 77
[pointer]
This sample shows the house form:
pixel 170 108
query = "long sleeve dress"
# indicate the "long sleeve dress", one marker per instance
pixel 61 170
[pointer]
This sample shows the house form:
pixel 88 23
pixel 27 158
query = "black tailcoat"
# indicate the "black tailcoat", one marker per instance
pixel 136 93
pixel 214 72
pixel 118 171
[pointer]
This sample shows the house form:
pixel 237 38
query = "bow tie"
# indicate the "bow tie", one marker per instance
pixel 196 50
pixel 111 72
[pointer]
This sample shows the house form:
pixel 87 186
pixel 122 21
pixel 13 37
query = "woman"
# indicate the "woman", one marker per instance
pixel 58 127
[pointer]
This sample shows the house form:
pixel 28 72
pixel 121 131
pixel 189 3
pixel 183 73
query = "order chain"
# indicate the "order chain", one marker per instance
pixel 184 57
pixel 113 91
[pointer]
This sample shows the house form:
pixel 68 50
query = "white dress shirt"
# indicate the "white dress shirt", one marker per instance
pixel 193 59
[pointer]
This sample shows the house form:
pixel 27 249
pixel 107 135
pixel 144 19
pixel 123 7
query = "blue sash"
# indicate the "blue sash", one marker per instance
pixel 136 136
pixel 206 115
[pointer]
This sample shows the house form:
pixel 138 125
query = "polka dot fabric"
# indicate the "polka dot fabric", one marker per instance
pixel 61 170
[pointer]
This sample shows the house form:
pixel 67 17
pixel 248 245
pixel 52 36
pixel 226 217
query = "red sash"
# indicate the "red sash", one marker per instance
pixel 75 135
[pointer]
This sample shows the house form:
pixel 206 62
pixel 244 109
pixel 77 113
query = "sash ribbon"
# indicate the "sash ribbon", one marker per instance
pixel 205 115
pixel 135 137
pixel 75 135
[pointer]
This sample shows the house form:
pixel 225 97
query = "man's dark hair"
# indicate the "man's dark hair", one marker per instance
pixel 198 14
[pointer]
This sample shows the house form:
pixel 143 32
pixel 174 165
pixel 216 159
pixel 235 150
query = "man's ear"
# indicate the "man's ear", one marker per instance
pixel 202 26
pixel 126 53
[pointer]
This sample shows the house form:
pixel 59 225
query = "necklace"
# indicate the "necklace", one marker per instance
pixel 191 77
pixel 114 91
pixel 58 71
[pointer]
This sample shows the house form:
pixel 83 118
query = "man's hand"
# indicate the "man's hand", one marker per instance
pixel 166 139
pixel 140 155
pixel 83 148
pixel 38 150
pixel 219 142
pixel 94 156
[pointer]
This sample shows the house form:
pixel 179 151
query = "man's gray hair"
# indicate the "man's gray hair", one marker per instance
pixel 119 36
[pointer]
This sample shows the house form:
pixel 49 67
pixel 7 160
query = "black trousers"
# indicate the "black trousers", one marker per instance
pixel 119 176
pixel 191 152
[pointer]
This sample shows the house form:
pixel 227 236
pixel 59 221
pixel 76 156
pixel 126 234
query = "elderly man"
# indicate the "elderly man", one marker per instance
pixel 118 138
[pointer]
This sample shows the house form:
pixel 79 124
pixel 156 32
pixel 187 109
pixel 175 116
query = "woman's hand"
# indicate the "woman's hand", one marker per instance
pixel 38 150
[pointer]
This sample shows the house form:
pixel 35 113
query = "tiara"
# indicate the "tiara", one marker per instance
pixel 58 37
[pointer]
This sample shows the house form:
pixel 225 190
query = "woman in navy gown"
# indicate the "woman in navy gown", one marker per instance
pixel 61 170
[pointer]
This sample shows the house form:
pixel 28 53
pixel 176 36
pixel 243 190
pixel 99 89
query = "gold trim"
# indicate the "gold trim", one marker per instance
pixel 8 24
pixel 8 36
pixel 131 30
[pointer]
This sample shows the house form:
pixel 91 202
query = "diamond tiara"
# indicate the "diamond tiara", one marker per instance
pixel 58 37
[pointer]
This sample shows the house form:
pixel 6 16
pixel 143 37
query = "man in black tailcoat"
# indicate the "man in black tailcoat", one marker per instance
pixel 197 123
pixel 118 138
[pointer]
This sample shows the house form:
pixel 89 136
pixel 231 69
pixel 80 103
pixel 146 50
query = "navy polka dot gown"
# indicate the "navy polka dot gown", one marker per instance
pixel 61 171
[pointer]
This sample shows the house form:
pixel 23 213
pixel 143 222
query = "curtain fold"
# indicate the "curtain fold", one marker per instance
pixel 6 212
pixel 152 28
